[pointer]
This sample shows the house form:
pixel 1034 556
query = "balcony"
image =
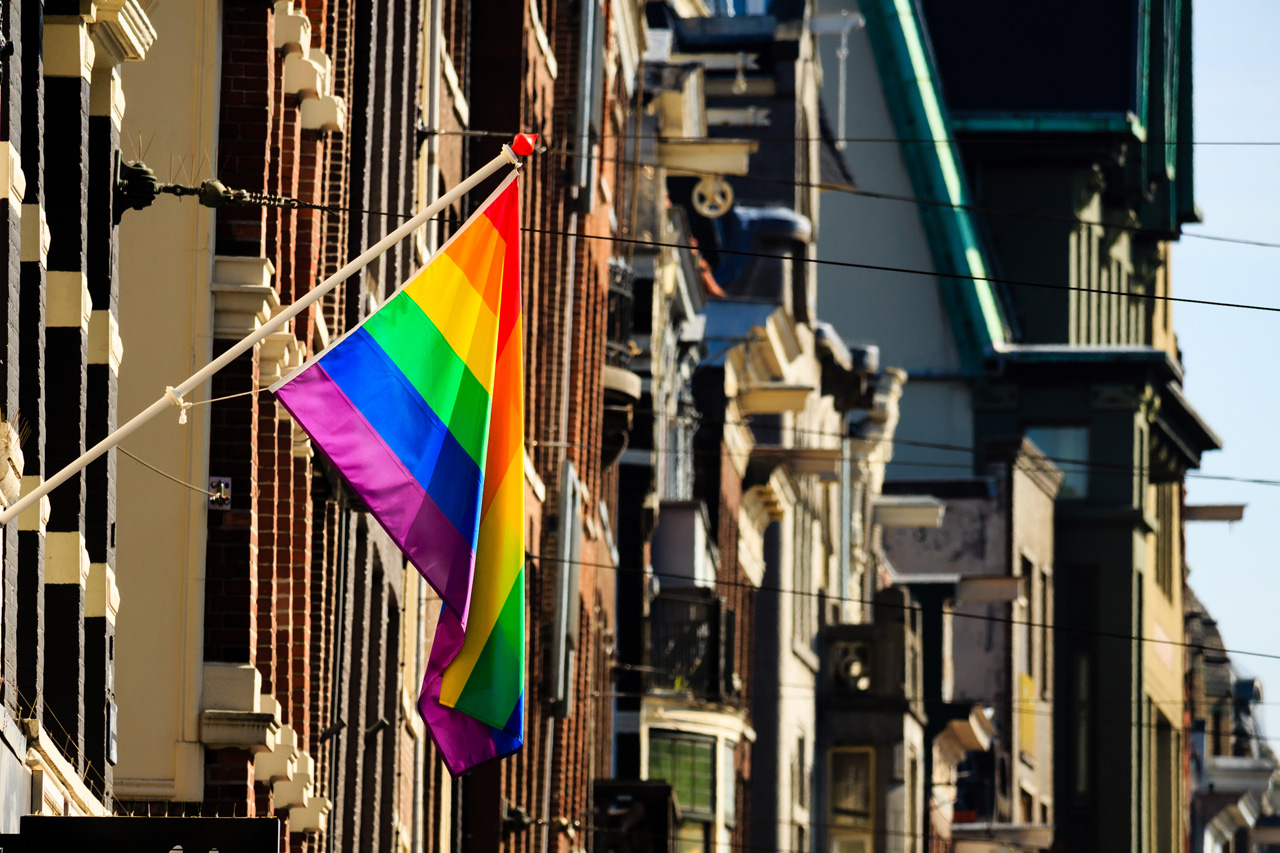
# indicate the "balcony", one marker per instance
pixel 691 650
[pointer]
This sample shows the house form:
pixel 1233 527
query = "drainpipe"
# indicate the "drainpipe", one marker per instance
pixel 435 36
pixel 335 696
pixel 435 62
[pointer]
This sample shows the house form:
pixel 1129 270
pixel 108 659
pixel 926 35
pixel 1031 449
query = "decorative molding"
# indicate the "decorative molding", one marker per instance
pixel 234 713
pixel 121 31
pixel 312 817
pixel 37 517
pixel 102 596
pixel 36 235
pixel 243 296
pixel 279 353
pixel 105 345
pixel 305 77
pixel 68 50
pixel 238 730
pixel 106 95
pixel 293 29
pixel 66 561
pixel 327 113
pixel 278 763
pixel 67 301
pixel 144 789
pixel 293 790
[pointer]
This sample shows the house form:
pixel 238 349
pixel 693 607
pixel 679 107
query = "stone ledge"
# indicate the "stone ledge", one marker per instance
pixel 241 309
pixel 122 32
pixel 249 730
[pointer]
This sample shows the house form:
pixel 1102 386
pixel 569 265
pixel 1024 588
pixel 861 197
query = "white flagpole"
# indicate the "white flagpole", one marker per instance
pixel 173 396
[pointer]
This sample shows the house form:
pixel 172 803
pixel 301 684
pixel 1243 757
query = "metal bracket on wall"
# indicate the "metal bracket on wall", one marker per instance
pixel 220 493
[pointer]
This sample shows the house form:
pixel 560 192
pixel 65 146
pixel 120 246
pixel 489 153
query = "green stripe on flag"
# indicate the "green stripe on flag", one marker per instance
pixel 497 680
pixel 417 347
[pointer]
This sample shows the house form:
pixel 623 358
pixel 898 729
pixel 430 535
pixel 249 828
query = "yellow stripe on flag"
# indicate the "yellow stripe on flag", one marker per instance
pixel 501 540
pixel 449 298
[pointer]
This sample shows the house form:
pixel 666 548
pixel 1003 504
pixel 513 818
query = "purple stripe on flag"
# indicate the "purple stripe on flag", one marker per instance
pixel 463 740
pixel 391 492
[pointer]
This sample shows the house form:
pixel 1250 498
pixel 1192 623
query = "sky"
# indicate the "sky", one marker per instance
pixel 1230 355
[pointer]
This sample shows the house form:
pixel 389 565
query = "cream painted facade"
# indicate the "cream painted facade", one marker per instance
pixel 166 273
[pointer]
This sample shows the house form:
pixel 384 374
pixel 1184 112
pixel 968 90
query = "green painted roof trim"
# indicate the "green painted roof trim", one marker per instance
pixel 908 77
pixel 1120 124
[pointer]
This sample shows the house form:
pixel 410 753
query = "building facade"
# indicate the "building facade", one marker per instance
pixel 63 102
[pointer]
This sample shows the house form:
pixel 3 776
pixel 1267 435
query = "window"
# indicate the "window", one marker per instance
pixel 1068 447
pixel 1166 536
pixel 803 603
pixel 800 787
pixel 1026 807
pixel 687 762
pixel 851 784
pixel 1028 630
pixel 1082 725
pixel 1046 636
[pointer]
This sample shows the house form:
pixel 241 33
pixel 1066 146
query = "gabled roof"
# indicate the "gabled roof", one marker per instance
pixel 915 104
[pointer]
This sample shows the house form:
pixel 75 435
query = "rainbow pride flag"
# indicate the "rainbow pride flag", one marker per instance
pixel 421 409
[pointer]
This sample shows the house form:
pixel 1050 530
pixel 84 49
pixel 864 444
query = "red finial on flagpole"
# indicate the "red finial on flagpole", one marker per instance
pixel 523 143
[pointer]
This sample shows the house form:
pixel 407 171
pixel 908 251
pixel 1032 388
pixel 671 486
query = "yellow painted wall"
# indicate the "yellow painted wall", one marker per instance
pixel 165 268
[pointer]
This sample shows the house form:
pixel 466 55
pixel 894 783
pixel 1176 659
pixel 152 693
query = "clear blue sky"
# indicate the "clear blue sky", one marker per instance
pixel 1231 356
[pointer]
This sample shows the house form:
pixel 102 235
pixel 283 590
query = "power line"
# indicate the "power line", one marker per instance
pixel 870 267
pixel 906 579
pixel 876 139
pixel 904 270
pixel 1115 468
pixel 815 452
pixel 973 208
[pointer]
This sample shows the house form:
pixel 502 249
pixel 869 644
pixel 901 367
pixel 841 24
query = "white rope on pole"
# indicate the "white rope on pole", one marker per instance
pixel 174 394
